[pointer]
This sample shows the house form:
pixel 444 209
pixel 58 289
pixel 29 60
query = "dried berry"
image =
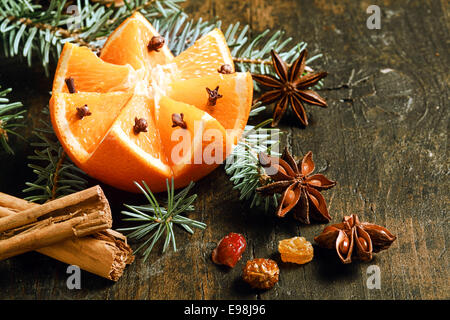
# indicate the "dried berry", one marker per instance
pixel 296 250
pixel 229 250
pixel 83 112
pixel 213 96
pixel 261 273
pixel 156 43
pixel 225 69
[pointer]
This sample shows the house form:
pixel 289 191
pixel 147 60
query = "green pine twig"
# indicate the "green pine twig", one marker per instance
pixel 56 175
pixel 33 32
pixel 242 164
pixel 10 119
pixel 156 220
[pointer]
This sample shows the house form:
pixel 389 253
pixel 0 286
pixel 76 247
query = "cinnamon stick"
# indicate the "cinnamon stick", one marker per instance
pixel 104 253
pixel 91 203
pixel 75 215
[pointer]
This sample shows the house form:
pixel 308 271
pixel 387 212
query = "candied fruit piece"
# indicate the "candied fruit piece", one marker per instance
pixel 296 250
pixel 261 273
pixel 229 250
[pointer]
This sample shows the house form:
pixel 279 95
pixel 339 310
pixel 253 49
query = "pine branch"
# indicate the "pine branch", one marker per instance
pixel 243 165
pixel 156 221
pixel 30 31
pixel 27 25
pixel 10 116
pixel 251 55
pixel 254 54
pixel 57 176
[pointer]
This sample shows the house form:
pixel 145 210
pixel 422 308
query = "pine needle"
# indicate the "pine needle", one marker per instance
pixel 56 175
pixel 156 221
pixel 10 119
pixel 242 164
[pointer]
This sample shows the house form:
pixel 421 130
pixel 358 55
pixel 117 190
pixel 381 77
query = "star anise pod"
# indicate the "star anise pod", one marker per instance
pixel 352 238
pixel 299 188
pixel 290 87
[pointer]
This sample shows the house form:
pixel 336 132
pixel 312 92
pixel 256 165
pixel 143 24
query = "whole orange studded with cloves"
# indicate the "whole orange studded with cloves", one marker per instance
pixel 136 112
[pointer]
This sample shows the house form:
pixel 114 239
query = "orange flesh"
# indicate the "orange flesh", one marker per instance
pixel 128 45
pixel 90 73
pixel 229 110
pixel 124 157
pixel 184 147
pixel 116 90
pixel 205 57
pixel 82 136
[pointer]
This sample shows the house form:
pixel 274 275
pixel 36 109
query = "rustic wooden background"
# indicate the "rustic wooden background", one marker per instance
pixel 383 138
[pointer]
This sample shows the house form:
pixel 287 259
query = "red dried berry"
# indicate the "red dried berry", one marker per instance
pixel 229 250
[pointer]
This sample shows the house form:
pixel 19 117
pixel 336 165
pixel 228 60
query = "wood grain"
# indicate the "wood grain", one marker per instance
pixel 383 138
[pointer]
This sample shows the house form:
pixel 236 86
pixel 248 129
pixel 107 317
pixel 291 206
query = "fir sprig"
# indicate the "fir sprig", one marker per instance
pixel 31 31
pixel 28 29
pixel 249 53
pixel 57 176
pixel 156 220
pixel 11 114
pixel 243 165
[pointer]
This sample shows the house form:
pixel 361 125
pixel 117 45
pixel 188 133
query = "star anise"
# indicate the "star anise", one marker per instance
pixel 300 191
pixel 352 238
pixel 290 87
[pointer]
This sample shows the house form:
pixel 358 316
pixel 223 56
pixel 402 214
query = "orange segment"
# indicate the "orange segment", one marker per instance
pixel 231 110
pixel 124 157
pixel 128 83
pixel 90 73
pixel 196 150
pixel 128 45
pixel 205 57
pixel 80 137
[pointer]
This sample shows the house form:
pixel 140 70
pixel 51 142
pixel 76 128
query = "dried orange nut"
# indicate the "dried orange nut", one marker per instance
pixel 261 273
pixel 296 250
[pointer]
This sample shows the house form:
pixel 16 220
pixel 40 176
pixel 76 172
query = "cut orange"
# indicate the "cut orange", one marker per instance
pixel 124 157
pixel 231 110
pixel 192 151
pixel 90 73
pixel 128 45
pixel 144 114
pixel 80 137
pixel 205 57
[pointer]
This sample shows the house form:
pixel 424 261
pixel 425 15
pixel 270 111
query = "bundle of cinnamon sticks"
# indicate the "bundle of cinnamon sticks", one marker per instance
pixel 74 229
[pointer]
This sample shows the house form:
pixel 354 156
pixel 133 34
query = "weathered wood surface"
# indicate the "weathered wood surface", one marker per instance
pixel 383 138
